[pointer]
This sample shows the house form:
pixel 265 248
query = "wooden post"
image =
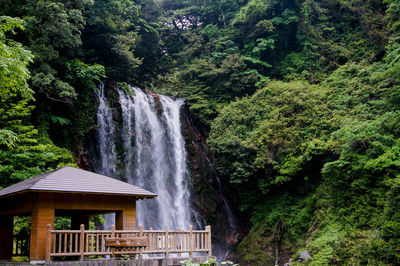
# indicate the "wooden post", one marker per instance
pixel 112 236
pixel 166 242
pixel 191 241
pixel 140 235
pixel 208 229
pixel 48 243
pixel 41 215
pixel 125 219
pixel 82 241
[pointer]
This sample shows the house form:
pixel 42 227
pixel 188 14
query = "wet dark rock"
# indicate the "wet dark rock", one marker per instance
pixel 207 199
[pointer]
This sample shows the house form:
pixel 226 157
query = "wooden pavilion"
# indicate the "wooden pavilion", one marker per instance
pixel 65 192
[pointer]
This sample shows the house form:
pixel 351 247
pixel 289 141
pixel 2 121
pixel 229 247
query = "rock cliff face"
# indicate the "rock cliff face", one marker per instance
pixel 212 201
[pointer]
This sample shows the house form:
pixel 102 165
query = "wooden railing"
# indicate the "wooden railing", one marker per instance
pixel 92 243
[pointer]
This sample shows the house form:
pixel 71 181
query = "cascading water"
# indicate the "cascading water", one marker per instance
pixel 153 152
pixel 106 140
pixel 172 118
pixel 228 209
pixel 106 136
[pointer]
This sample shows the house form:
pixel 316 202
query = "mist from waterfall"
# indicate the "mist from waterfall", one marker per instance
pixel 153 154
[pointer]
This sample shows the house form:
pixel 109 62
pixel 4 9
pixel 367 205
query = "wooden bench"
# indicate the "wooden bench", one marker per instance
pixel 118 243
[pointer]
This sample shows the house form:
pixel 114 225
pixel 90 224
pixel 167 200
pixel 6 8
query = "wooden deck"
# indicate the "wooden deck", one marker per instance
pixel 107 262
pixel 83 244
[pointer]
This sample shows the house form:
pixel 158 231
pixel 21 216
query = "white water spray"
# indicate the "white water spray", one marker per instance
pixel 106 136
pixel 106 139
pixel 154 155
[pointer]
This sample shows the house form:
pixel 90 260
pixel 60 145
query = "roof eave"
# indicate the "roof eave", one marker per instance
pixel 139 196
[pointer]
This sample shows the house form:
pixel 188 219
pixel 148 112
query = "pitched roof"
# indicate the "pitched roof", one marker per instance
pixel 69 179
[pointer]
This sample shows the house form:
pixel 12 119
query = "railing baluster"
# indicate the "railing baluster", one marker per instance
pixel 188 241
pixel 191 241
pixel 59 242
pixel 171 238
pixel 186 246
pixel 159 237
pixel 76 242
pixel 151 240
pixel 54 243
pixel 202 240
pixel 179 248
pixel 177 241
pixel 176 235
pixel 199 240
pixel 156 237
pixel 112 235
pixel 84 243
pixel 65 243
pixel 166 241
pixel 194 241
pixel 87 242
pixel 97 242
pixel 205 240
pixel 70 242
pixel 140 235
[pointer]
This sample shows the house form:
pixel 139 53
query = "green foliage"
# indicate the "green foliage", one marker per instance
pixel 76 44
pixel 111 36
pixel 23 152
pixel 267 38
pixel 62 223
pixel 125 257
pixel 22 225
pixel 210 261
pixel 8 138
pixel 14 60
pixel 325 242
pixel 266 130
pixel 337 141
pixel 281 221
pixel 301 99
pixel 54 27
pixel 215 81
pixel 254 11
pixel 228 262
pixel 83 75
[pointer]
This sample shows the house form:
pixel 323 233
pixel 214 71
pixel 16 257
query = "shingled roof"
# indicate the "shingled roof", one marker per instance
pixel 69 179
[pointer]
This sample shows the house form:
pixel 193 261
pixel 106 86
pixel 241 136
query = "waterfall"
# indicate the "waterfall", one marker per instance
pixel 181 197
pixel 153 155
pixel 106 140
pixel 106 136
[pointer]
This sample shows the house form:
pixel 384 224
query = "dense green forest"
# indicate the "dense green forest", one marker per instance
pixel 299 100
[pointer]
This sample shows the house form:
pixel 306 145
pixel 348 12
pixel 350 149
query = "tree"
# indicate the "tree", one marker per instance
pixel 23 151
pixel 14 73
